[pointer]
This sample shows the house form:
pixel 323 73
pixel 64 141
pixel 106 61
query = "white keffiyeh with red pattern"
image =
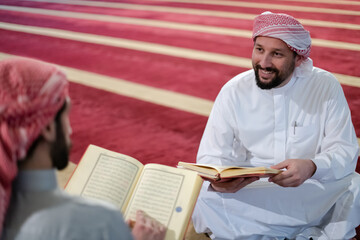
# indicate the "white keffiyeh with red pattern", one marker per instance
pixel 286 28
pixel 31 93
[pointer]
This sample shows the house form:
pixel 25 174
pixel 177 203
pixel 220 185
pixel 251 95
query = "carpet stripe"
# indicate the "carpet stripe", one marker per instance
pixel 245 16
pixel 178 26
pixel 326 2
pixel 131 44
pixel 141 92
pixel 348 80
pixel 136 21
pixel 270 6
pixel 146 47
pixel 192 77
pixel 164 8
pixel 222 14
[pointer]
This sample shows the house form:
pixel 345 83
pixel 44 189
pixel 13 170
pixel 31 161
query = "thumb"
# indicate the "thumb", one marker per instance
pixel 280 165
pixel 140 216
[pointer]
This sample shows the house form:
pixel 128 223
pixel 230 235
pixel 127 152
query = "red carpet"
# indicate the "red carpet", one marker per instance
pixel 150 132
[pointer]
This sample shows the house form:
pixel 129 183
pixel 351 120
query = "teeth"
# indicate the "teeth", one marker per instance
pixel 267 72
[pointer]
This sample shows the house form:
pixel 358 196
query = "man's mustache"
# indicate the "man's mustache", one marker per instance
pixel 268 69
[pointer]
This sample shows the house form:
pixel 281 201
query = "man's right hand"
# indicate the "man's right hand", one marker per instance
pixel 232 185
pixel 146 228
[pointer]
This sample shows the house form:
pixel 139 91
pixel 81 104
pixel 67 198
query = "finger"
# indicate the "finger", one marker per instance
pixel 218 180
pixel 244 183
pixel 249 180
pixel 239 184
pixel 157 231
pixel 162 228
pixel 283 175
pixel 155 224
pixel 222 180
pixel 237 181
pixel 228 186
pixel 288 182
pixel 161 233
pixel 140 216
pixel 281 165
pixel 228 182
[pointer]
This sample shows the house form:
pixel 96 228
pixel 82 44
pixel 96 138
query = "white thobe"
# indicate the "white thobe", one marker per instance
pixel 39 210
pixel 308 118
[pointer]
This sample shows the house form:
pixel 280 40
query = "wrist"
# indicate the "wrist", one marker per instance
pixel 313 167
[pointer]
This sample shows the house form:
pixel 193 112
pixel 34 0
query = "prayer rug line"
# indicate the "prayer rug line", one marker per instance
pixel 151 47
pixel 171 25
pixel 272 6
pixel 212 13
pixel 326 1
pixel 138 91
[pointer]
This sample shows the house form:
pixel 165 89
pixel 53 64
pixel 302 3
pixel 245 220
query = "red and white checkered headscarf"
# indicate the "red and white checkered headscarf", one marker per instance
pixel 285 28
pixel 31 93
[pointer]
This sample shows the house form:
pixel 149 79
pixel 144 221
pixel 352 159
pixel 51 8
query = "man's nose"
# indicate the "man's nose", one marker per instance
pixel 265 61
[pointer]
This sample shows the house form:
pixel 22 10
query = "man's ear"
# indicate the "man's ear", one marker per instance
pixel 298 60
pixel 49 132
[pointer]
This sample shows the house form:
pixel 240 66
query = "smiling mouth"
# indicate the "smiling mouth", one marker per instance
pixel 266 74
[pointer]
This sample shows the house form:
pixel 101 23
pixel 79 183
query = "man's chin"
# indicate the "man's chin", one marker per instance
pixel 264 84
pixel 266 81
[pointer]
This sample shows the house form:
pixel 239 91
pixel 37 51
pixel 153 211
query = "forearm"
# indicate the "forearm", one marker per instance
pixel 339 148
pixel 336 163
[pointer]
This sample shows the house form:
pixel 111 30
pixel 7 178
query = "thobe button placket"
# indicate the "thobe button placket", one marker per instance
pixel 279 127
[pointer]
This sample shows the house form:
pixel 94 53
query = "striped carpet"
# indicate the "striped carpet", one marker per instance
pixel 144 73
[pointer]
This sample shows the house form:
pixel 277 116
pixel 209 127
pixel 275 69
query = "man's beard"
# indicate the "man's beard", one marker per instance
pixel 59 151
pixel 277 80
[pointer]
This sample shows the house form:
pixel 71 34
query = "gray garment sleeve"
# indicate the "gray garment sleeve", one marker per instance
pixel 89 221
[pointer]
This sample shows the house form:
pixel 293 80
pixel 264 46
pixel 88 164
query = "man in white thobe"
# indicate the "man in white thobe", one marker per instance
pixel 285 114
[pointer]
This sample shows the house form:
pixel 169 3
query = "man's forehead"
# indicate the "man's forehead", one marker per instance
pixel 271 42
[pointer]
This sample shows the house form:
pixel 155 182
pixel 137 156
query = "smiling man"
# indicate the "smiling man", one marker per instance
pixel 285 114
pixel 273 62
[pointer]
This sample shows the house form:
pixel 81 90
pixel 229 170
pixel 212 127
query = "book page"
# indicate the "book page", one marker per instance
pixel 210 167
pixel 167 194
pixel 105 175
pixel 206 170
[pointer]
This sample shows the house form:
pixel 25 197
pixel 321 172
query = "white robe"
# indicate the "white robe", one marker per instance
pixel 308 118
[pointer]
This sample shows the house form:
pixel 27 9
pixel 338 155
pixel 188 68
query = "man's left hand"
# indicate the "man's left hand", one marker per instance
pixel 297 171
pixel 147 228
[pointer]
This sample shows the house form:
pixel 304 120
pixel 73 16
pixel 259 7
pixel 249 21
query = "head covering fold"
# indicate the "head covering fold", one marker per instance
pixel 31 93
pixel 285 28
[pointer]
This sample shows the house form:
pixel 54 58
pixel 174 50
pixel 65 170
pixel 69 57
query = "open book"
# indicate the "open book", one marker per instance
pixel 164 193
pixel 221 172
